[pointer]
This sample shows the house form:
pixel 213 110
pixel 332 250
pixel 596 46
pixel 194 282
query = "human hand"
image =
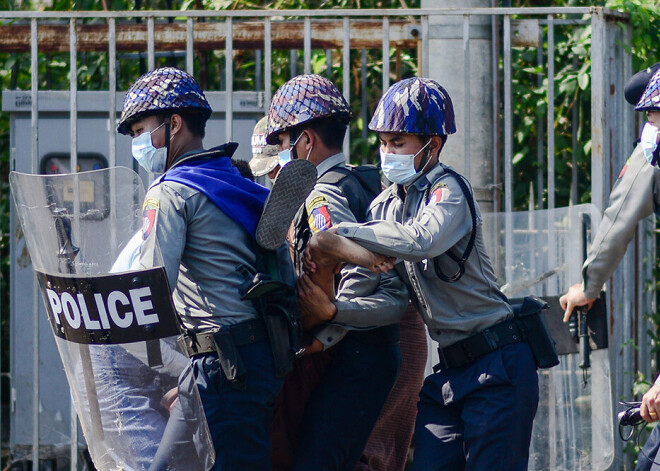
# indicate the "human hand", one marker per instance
pixel 382 263
pixel 650 407
pixel 169 399
pixel 313 257
pixel 315 305
pixel 573 298
pixel 315 347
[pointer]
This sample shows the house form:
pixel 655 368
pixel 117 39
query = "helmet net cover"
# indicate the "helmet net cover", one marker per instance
pixel 163 89
pixel 650 100
pixel 415 106
pixel 302 99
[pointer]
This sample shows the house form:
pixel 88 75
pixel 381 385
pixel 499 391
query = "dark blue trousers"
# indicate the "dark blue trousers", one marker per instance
pixel 238 419
pixel 344 407
pixel 649 453
pixel 478 417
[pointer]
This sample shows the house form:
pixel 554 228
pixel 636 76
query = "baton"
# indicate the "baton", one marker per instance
pixel 68 253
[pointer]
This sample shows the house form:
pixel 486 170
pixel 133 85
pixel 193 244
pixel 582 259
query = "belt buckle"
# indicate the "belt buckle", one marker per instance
pixel 181 340
pixel 189 344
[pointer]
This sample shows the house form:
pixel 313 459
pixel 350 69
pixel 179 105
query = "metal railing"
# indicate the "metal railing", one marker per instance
pixel 188 32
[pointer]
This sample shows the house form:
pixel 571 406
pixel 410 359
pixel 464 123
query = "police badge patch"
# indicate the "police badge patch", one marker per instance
pixel 439 192
pixel 149 211
pixel 319 215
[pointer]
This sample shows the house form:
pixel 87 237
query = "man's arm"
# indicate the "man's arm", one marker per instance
pixel 631 200
pixel 364 301
pixel 326 251
pixel 359 289
pixel 440 224
pixel 163 231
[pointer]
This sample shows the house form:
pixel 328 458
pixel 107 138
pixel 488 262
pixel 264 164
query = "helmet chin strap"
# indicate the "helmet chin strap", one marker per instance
pixel 426 158
pixel 293 142
pixel 167 142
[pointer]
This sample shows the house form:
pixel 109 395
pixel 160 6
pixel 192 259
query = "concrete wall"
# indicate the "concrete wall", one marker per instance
pixel 447 67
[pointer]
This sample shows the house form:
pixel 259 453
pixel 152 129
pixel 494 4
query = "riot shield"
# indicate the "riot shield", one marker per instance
pixel 114 324
pixel 541 253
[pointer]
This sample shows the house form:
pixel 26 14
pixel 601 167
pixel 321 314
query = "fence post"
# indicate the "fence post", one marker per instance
pixel 599 171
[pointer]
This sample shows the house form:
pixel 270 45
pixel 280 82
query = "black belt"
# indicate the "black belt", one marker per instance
pixel 466 351
pixel 243 333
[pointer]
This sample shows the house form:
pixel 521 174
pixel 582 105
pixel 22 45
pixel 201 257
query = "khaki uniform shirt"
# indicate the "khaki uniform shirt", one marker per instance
pixel 430 219
pixel 634 196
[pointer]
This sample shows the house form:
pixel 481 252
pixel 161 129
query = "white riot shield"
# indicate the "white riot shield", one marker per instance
pixel 115 326
pixel 541 253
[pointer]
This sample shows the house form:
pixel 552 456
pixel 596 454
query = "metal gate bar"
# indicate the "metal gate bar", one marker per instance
pixel 603 145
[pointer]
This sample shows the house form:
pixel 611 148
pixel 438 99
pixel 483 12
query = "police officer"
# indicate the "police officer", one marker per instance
pixel 476 410
pixel 264 156
pixel 201 214
pixel 634 196
pixel 308 118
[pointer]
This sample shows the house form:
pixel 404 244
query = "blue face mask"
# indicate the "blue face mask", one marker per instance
pixel 649 142
pixel 400 168
pixel 150 158
pixel 284 156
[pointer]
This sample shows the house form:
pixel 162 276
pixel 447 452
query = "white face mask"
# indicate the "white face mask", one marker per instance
pixel 284 156
pixel 649 142
pixel 150 158
pixel 400 168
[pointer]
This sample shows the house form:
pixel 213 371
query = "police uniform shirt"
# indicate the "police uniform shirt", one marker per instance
pixel 430 219
pixel 635 195
pixel 363 299
pixel 202 249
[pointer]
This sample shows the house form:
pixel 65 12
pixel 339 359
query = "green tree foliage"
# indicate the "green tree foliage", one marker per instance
pixel 645 21
pixel 572 90
pixel 571 101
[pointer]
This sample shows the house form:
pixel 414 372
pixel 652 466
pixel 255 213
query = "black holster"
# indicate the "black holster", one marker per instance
pixel 532 325
pixel 276 303
pixel 230 359
pixel 225 342
pixel 285 336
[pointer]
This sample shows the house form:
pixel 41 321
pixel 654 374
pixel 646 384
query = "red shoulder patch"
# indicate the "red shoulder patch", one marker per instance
pixel 439 192
pixel 149 218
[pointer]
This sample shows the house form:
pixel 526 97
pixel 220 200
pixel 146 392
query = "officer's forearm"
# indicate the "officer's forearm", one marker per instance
pixel 328 249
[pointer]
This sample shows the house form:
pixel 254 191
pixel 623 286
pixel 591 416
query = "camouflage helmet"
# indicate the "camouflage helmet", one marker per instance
pixel 302 99
pixel 415 106
pixel 264 156
pixel 164 89
pixel 650 100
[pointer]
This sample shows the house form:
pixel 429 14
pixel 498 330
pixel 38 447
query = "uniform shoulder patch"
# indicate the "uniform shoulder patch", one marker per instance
pixel 319 215
pixel 625 167
pixel 148 222
pixel 149 214
pixel 319 219
pixel 439 192
pixel 315 202
pixel 151 203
